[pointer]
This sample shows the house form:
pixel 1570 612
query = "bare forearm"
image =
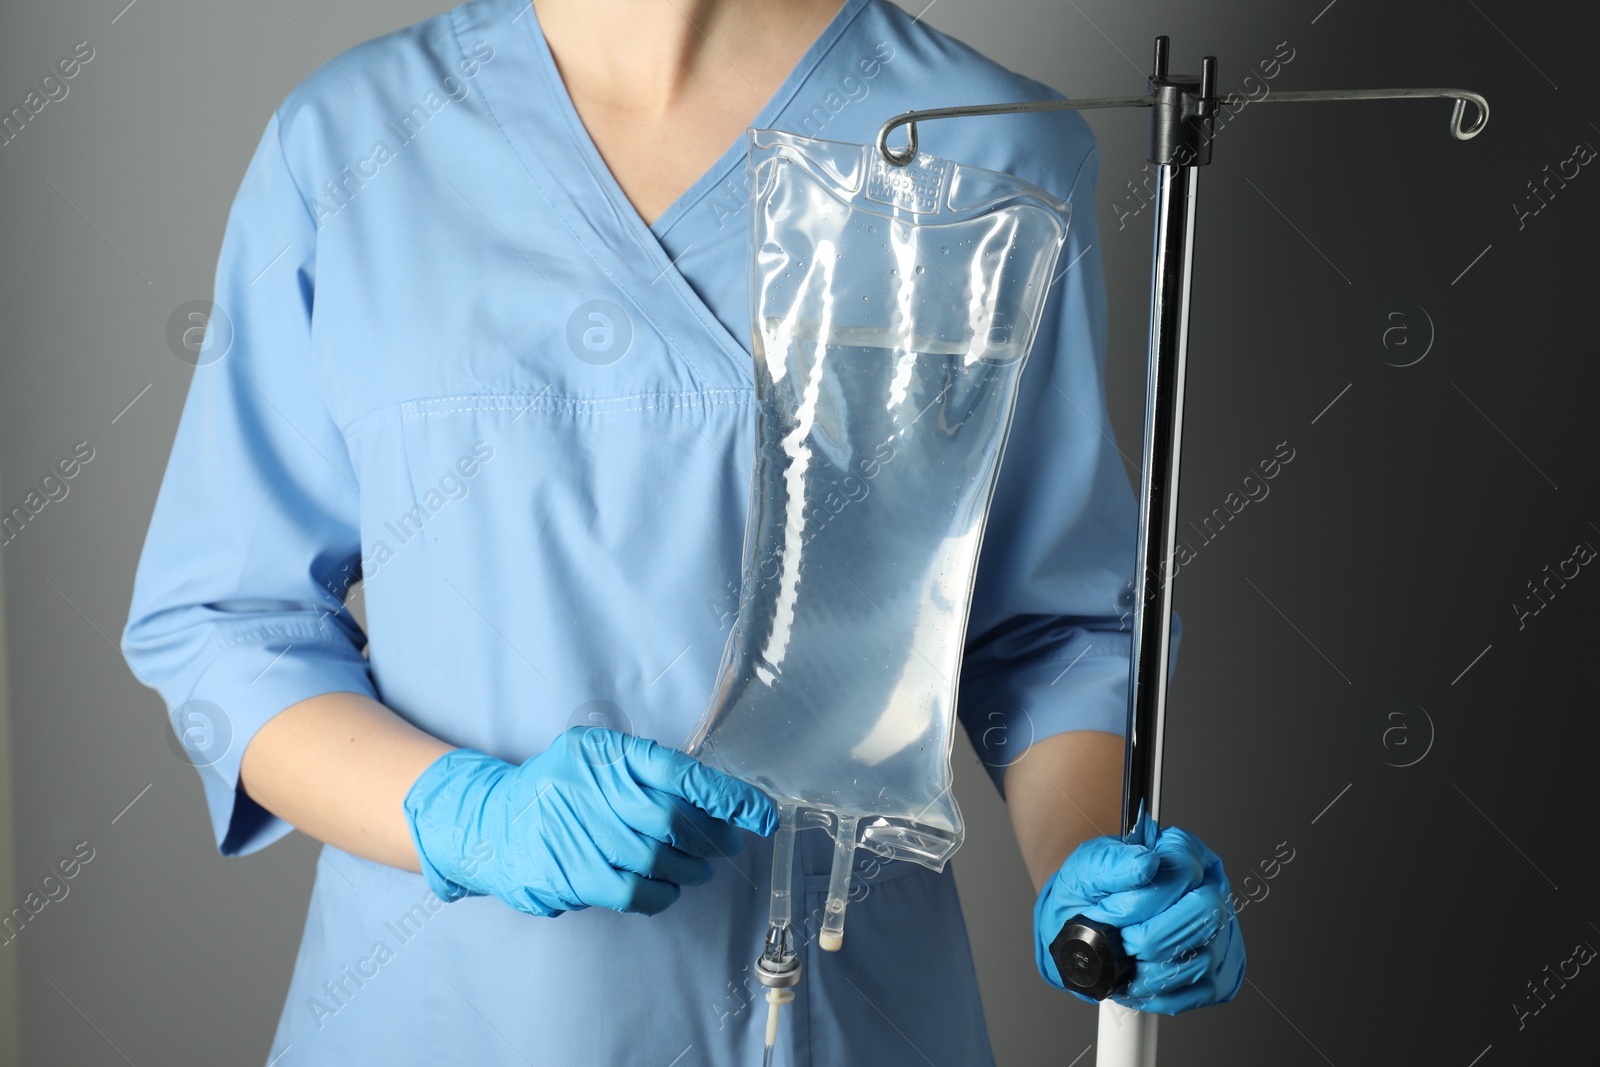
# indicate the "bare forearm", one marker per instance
pixel 338 767
pixel 1063 791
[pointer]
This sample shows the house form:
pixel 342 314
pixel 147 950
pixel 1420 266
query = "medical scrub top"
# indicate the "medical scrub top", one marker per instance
pixel 450 360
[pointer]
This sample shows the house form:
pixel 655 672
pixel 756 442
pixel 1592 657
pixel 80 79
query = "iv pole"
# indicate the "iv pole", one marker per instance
pixel 1182 126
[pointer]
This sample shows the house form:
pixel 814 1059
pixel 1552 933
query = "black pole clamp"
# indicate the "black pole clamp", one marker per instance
pixel 1184 120
pixel 1090 958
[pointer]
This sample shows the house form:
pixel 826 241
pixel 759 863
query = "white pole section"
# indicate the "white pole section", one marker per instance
pixel 1127 1038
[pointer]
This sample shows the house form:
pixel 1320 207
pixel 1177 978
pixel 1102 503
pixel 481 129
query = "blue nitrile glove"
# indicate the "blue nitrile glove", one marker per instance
pixel 1174 908
pixel 600 818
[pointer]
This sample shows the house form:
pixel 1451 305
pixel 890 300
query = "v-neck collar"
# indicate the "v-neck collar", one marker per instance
pixel 528 101
pixel 734 154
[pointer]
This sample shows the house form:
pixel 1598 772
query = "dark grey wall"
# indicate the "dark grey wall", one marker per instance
pixel 1354 681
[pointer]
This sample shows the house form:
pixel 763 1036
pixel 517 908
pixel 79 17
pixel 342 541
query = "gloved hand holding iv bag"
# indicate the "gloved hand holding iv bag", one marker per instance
pixel 1173 907
pixel 599 818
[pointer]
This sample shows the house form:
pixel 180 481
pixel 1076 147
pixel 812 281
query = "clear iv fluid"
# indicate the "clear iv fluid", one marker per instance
pixel 873 473
pixel 886 372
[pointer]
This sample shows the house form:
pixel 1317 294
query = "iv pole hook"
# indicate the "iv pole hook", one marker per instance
pixel 899 157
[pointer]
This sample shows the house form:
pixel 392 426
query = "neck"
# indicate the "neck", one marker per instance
pixel 644 56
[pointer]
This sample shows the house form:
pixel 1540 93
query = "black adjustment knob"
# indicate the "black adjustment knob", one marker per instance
pixel 1090 957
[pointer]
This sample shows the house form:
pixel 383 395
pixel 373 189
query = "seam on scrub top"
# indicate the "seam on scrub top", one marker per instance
pixel 257 634
pixel 305 630
pixel 283 155
pixel 1094 150
pixel 294 182
pixel 511 143
pixel 410 409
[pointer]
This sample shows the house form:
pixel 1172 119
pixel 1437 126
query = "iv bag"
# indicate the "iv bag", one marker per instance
pixel 892 310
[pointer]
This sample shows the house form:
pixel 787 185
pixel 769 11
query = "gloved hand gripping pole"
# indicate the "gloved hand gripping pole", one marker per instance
pixel 1089 954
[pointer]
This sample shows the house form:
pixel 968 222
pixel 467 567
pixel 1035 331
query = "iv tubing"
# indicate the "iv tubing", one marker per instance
pixel 782 870
pixel 844 848
pixel 777 961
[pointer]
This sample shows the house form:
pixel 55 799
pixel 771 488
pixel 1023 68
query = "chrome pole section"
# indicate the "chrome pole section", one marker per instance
pixel 1170 281
pixel 1128 1039
pixel 1088 953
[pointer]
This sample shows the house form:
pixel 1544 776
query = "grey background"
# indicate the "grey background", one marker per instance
pixel 1378 582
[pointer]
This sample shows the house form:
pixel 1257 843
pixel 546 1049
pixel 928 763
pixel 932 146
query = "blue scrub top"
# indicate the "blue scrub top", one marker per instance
pixel 463 369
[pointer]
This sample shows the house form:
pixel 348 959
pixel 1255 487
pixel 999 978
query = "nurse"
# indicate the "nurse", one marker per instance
pixel 489 355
